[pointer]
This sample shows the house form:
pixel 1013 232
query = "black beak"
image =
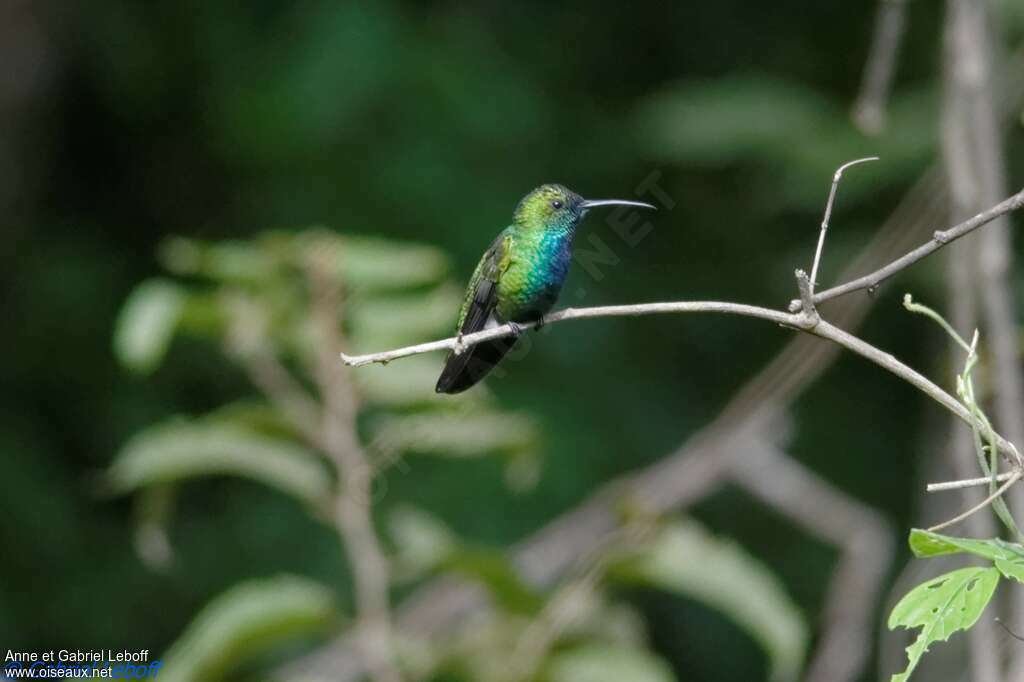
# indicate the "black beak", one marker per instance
pixel 593 203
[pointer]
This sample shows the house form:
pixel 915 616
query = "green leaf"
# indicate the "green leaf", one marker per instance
pixel 185 449
pixel 1011 569
pixel 422 541
pixel 147 323
pixel 688 560
pixel 606 663
pixel 454 435
pixel 369 263
pixel 941 607
pixel 244 623
pixel 926 544
pixel 495 571
pixel 234 261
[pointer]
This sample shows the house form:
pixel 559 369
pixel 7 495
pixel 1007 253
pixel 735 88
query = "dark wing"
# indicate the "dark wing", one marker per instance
pixel 463 370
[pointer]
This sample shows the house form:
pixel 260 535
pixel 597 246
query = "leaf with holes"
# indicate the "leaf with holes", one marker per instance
pixel 941 607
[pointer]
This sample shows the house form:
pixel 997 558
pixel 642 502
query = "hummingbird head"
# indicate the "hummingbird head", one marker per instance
pixel 556 207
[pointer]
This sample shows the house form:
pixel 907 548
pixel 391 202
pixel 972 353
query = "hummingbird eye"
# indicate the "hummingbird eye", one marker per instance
pixel 556 204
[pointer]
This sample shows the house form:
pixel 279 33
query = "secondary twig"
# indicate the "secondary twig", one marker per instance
pixel 1014 477
pixel 836 177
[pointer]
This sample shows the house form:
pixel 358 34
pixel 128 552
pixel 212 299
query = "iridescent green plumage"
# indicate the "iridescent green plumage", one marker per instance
pixel 518 279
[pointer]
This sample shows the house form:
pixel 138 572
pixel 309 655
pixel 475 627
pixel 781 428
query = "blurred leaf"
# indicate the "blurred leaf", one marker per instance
pixel 185 449
pixel 603 663
pixel 147 323
pixel 256 416
pixel 453 435
pixel 756 119
pixel 927 544
pixel 495 571
pixel 941 607
pixel 728 119
pixel 231 261
pixel 244 623
pixel 421 540
pixel 688 560
pixel 371 263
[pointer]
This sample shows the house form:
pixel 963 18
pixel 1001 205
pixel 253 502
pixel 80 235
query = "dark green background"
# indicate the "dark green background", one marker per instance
pixel 427 122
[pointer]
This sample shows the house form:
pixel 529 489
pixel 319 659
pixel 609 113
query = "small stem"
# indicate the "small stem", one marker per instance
pixel 1014 477
pixel 967 483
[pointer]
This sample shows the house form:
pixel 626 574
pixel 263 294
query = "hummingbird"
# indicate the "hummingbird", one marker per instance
pixel 518 278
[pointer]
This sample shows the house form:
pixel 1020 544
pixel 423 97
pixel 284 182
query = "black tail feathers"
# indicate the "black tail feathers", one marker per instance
pixel 463 371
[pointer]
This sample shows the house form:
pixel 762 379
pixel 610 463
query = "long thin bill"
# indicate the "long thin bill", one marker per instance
pixel 592 203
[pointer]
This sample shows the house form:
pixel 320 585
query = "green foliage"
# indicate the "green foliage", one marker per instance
pixel 942 606
pixel 954 601
pixel 687 560
pixel 982 431
pixel 245 622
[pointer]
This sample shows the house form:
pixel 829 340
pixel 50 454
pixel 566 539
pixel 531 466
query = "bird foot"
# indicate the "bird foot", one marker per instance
pixel 459 347
pixel 516 328
pixel 540 323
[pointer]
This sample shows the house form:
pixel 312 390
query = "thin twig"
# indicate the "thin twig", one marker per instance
pixel 967 483
pixel 1014 477
pixel 1010 632
pixel 836 177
